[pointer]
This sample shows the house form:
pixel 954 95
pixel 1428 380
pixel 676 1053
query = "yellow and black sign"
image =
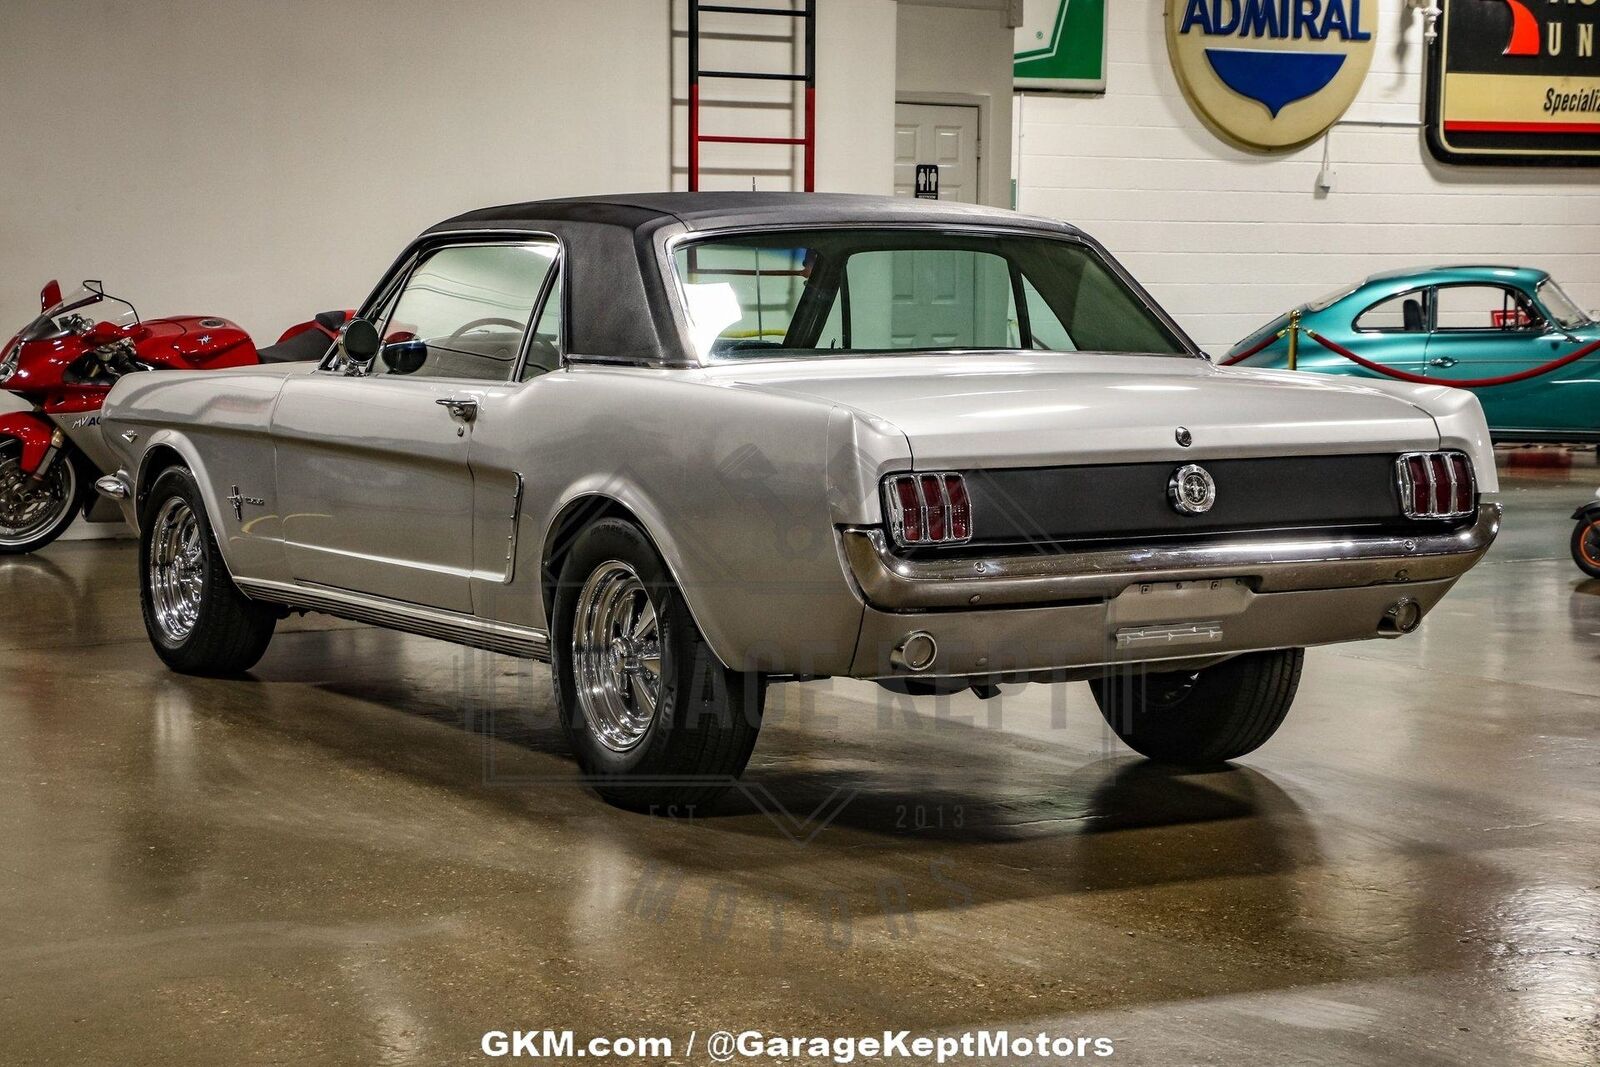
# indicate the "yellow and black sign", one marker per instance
pixel 1516 81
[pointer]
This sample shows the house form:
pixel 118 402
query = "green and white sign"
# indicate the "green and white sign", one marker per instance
pixel 1061 45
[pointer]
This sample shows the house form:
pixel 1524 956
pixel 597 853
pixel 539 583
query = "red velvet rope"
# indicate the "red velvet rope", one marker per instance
pixel 1459 383
pixel 1404 376
pixel 1242 356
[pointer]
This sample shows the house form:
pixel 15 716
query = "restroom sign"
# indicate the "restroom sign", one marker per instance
pixel 927 181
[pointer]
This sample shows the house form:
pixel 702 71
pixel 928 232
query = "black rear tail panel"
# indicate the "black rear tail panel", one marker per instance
pixel 1121 501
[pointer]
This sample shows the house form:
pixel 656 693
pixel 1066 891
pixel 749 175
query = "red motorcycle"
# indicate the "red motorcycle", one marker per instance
pixel 63 364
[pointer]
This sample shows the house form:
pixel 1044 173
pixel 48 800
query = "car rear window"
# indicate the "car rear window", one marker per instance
pixel 852 291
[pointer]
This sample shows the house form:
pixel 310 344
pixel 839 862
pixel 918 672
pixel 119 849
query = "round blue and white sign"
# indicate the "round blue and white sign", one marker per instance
pixel 1271 73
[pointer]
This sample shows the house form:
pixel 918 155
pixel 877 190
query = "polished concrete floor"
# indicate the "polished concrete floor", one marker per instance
pixel 372 852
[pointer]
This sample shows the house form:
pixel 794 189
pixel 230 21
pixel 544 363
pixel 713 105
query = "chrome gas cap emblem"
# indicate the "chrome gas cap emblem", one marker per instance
pixel 1192 490
pixel 1183 436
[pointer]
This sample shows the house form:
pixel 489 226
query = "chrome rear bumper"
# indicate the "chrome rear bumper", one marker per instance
pixel 1269 564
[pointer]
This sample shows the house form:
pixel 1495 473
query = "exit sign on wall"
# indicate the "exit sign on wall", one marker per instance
pixel 1061 45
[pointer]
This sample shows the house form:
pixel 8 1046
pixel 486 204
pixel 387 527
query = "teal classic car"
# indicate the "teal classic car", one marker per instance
pixel 1459 325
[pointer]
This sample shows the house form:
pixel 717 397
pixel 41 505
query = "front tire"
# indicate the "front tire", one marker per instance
pixel 1202 718
pixel 198 621
pixel 33 514
pixel 656 721
pixel 1586 545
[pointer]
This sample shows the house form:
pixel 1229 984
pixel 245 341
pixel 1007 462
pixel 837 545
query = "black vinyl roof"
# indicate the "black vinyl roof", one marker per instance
pixel 705 211
pixel 617 301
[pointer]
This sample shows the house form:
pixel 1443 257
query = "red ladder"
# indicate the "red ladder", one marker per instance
pixel 808 13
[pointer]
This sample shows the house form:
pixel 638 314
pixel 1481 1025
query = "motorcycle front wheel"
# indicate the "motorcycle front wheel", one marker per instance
pixel 32 514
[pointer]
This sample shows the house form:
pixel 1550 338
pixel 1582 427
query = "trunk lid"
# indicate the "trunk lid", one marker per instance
pixel 1049 409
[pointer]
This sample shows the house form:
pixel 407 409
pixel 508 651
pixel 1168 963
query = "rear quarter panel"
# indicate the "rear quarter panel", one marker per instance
pixel 739 489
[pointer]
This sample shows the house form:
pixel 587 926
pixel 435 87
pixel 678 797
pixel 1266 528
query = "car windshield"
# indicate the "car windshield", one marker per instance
pixel 1560 305
pixel 825 293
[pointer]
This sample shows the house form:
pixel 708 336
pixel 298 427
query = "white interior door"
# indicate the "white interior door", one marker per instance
pixel 946 134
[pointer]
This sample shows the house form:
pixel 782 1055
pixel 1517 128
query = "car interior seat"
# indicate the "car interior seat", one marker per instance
pixel 1412 311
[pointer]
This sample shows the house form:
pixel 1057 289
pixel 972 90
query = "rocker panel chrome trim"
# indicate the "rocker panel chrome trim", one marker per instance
pixel 410 618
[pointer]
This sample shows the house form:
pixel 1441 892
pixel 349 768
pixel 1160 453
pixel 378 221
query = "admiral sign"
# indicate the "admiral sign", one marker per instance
pixel 1516 81
pixel 1271 74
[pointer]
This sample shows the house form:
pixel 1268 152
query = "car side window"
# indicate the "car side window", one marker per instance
pixel 463 310
pixel 1460 308
pixel 544 347
pixel 1405 313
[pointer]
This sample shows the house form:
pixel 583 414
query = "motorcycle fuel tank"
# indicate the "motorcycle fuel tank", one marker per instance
pixel 193 342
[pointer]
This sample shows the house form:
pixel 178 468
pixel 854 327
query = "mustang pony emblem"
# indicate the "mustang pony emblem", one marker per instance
pixel 239 501
pixel 1192 490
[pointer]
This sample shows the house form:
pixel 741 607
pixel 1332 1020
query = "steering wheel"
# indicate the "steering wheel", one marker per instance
pixel 477 324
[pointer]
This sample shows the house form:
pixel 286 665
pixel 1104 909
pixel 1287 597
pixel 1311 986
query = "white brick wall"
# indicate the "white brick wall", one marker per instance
pixel 1227 239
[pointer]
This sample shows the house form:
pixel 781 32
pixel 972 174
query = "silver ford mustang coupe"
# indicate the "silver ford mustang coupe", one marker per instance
pixel 687 445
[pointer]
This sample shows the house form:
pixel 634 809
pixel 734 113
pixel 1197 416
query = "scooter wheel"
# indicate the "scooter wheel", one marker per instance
pixel 33 514
pixel 1586 546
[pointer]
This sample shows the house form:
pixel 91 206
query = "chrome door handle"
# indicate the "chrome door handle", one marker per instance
pixel 465 410
pixel 1441 361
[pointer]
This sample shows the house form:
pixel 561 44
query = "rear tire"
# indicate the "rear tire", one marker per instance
pixel 1586 546
pixel 656 721
pixel 42 512
pixel 1202 718
pixel 198 621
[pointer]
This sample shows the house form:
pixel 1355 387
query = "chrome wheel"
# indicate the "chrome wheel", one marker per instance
pixel 30 509
pixel 177 569
pixel 616 655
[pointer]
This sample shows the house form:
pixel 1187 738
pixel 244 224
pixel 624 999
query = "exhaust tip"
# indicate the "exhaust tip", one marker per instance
pixel 1401 617
pixel 915 653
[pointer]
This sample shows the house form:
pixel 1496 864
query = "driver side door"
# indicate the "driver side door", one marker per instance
pixel 373 475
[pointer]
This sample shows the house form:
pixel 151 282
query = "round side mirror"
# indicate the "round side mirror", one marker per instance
pixel 358 344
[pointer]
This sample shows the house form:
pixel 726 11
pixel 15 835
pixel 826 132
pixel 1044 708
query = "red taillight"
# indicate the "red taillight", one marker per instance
pixel 1466 488
pixel 928 509
pixel 1439 468
pixel 909 511
pixel 1419 497
pixel 1437 485
pixel 960 507
pixel 932 487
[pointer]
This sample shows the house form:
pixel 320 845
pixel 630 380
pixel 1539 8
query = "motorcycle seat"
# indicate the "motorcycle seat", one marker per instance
pixel 301 348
